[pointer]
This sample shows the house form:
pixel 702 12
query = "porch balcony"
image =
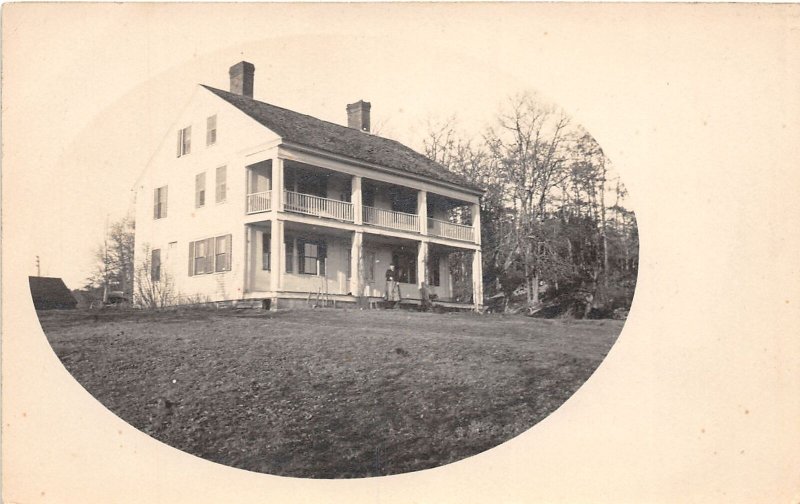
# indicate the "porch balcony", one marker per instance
pixel 299 188
pixel 309 204
pixel 259 202
pixel 444 229
pixel 390 219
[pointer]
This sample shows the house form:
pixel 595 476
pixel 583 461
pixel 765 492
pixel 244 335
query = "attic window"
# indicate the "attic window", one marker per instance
pixel 184 141
pixel 211 130
pixel 200 190
pixel 160 202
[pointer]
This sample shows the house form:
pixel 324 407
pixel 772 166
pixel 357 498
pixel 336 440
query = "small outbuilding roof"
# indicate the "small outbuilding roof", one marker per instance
pixel 337 139
pixel 50 293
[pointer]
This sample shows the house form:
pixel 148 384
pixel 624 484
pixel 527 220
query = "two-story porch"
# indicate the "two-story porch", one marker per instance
pixel 327 194
pixel 331 233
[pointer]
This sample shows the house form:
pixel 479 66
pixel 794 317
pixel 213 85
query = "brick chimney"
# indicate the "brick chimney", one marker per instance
pixel 358 115
pixel 242 78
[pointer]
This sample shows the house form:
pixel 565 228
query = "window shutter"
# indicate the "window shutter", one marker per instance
pixel 266 252
pixel 210 255
pixel 301 256
pixel 322 254
pixel 155 265
pixel 222 175
pixel 180 142
pixel 155 203
pixel 188 134
pixel 164 206
pixel 191 258
pixel 289 245
pixel 228 258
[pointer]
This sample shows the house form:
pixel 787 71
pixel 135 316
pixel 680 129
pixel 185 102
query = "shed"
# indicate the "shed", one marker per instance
pixel 51 294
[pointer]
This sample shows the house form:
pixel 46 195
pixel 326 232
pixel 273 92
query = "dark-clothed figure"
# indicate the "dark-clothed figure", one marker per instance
pixel 392 287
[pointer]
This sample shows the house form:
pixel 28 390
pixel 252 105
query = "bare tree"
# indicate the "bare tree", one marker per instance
pixel 154 284
pixel 530 145
pixel 114 268
pixel 546 220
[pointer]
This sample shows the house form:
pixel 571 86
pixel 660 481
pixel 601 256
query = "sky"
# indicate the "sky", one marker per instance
pixel 108 119
pixel 96 99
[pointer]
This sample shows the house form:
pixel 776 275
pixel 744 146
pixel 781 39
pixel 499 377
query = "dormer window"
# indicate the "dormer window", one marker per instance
pixel 211 130
pixel 184 141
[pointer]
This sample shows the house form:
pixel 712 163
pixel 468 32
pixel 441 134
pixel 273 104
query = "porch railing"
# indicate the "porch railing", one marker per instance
pixel 319 207
pixel 392 220
pixel 446 229
pixel 259 202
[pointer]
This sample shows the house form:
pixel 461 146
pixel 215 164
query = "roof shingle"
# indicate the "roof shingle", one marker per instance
pixel 323 135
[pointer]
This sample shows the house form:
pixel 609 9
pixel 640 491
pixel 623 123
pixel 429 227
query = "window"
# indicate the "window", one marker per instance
pixel 155 265
pixel 368 196
pixel 199 257
pixel 184 141
pixel 308 258
pixel 406 265
pixel 259 180
pixel 349 259
pixel 289 255
pixel 306 182
pixel 369 265
pixel 202 256
pixel 265 251
pixel 160 203
pixel 222 187
pixel 311 260
pixel 434 271
pixel 211 130
pixel 200 190
pixel 222 261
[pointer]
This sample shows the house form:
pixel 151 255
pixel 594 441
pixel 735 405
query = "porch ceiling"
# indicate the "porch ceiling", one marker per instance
pixel 312 170
pixel 303 228
pixel 439 249
pixel 374 239
pixel 445 202
pixel 263 225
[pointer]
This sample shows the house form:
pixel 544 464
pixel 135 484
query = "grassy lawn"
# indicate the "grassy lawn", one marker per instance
pixel 328 393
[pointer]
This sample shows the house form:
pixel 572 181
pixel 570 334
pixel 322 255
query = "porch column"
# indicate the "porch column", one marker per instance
pixel 475 209
pixel 422 212
pixel 356 200
pixel 246 256
pixel 422 263
pixel 277 184
pixel 477 279
pixel 357 264
pixel 276 254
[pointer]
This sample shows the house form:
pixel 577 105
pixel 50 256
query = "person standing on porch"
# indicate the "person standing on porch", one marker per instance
pixel 392 287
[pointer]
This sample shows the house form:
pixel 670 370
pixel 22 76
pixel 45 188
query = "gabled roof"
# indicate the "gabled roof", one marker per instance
pixel 326 136
pixel 49 293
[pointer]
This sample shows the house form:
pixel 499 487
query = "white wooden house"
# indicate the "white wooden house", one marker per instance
pixel 247 200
